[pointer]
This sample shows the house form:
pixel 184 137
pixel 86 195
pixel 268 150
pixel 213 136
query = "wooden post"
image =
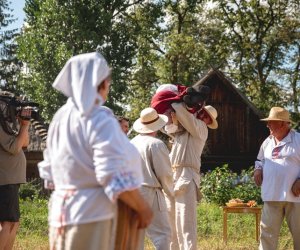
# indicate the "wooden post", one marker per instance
pixel 257 226
pixel 225 225
pixel 127 232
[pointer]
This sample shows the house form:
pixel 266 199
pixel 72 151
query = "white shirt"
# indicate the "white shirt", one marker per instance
pixel 91 162
pixel 281 167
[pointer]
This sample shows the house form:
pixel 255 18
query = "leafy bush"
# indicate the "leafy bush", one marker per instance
pixel 34 189
pixel 221 184
pixel 247 189
pixel 29 190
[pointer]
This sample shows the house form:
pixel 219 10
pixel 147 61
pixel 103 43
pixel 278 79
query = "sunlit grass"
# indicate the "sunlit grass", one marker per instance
pixel 33 233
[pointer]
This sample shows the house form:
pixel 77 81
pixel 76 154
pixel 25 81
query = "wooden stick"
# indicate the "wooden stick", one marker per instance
pixel 127 232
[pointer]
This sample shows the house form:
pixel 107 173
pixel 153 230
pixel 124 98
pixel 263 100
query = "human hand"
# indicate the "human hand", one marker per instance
pixel 174 118
pixel 296 187
pixel 144 216
pixel 143 211
pixel 49 185
pixel 24 118
pixel 258 177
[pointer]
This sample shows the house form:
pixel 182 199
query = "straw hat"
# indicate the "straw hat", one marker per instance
pixel 212 112
pixel 278 114
pixel 149 121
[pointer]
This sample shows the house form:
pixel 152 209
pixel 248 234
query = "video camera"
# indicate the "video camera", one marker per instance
pixel 11 107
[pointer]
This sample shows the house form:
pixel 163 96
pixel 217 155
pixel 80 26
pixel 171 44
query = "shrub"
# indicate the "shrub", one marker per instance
pixel 247 189
pixel 221 184
pixel 217 184
pixel 29 190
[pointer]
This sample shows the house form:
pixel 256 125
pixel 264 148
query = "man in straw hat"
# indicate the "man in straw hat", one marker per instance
pixel 186 162
pixel 277 170
pixel 158 180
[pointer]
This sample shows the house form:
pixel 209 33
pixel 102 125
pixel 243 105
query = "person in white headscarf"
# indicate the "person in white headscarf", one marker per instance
pixel 88 161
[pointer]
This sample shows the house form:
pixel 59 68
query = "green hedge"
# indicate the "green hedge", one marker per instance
pixel 221 185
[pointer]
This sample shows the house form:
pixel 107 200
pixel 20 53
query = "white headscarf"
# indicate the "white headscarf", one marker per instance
pixel 80 78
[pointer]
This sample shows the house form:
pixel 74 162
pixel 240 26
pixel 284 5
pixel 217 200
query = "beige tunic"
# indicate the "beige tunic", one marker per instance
pixel 188 146
pixel 158 183
pixel 186 161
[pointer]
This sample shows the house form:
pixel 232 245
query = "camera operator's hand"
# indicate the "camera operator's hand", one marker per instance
pixel 24 117
pixel 23 136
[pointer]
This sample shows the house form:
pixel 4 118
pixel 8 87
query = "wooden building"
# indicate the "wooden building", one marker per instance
pixel 240 132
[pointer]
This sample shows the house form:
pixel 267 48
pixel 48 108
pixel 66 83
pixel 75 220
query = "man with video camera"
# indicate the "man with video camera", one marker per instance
pixel 12 172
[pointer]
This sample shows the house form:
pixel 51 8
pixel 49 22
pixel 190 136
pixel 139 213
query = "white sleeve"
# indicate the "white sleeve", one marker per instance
pixel 44 166
pixel 110 158
pixel 259 163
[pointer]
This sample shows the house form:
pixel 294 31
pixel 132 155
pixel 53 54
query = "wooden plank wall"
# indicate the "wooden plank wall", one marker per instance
pixel 33 158
pixel 240 132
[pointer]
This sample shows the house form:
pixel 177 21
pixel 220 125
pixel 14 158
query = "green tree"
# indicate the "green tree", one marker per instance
pixel 146 21
pixel 56 30
pixel 249 40
pixel 9 65
pixel 260 34
pixel 177 42
pixel 148 43
pixel 290 76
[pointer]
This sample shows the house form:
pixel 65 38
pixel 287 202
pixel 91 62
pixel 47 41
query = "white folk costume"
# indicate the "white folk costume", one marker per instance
pixel 88 158
pixel 186 162
pixel 158 180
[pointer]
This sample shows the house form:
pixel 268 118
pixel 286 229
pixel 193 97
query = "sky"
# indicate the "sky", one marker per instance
pixel 17 6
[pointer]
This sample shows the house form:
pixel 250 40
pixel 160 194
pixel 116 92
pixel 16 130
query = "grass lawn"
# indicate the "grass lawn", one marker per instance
pixel 33 233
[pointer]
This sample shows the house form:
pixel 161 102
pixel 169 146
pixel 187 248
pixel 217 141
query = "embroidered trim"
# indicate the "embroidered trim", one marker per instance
pixel 120 182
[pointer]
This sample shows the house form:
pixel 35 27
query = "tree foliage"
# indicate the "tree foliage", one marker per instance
pixel 173 46
pixel 260 34
pixel 9 64
pixel 56 30
pixel 147 43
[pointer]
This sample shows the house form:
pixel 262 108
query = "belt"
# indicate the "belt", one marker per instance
pixel 175 166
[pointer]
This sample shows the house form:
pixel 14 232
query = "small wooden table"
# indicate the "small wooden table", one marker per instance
pixel 240 210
